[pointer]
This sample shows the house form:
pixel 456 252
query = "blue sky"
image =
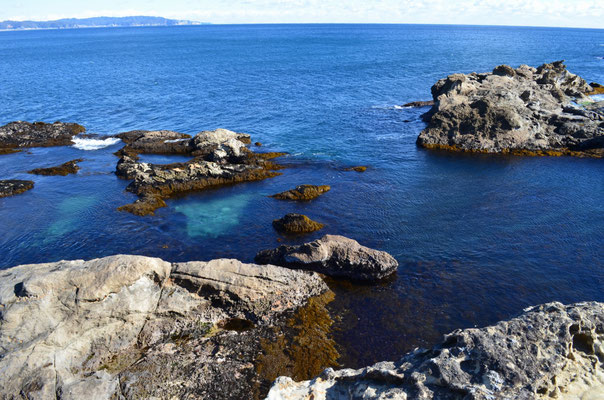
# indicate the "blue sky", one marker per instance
pixel 574 13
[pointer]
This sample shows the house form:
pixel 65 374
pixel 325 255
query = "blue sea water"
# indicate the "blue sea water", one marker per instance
pixel 478 237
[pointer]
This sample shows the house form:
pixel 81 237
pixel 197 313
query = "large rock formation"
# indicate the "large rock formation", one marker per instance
pixel 525 111
pixel 333 255
pixel 303 193
pixel 139 327
pixel 70 167
pixel 20 134
pixel 12 187
pixel 551 351
pixel 220 157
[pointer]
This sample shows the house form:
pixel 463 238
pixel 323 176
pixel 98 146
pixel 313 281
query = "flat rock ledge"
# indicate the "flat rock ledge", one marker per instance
pixel 138 327
pixel 70 167
pixel 21 134
pixel 550 351
pixel 522 111
pixel 303 193
pixel 333 255
pixel 219 157
pixel 12 187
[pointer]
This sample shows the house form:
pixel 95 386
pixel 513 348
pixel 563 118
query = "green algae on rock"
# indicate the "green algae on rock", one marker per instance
pixel 296 223
pixel 303 192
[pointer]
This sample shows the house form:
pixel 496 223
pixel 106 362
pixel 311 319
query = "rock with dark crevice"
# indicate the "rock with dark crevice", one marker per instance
pixel 21 134
pixel 550 351
pixel 522 111
pixel 333 255
pixel 12 187
pixel 140 327
pixel 303 193
pixel 70 167
pixel 296 223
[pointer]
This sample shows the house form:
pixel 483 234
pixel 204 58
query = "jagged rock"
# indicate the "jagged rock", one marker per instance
pixel 12 187
pixel 221 157
pixel 416 104
pixel 551 351
pixel 155 142
pixel 524 111
pixel 138 327
pixel 70 167
pixel 333 255
pixel 303 192
pixel 296 223
pixel 21 134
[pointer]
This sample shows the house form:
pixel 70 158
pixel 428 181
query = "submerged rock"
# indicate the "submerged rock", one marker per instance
pixel 70 167
pixel 360 168
pixel 21 134
pixel 139 327
pixel 524 111
pixel 12 187
pixel 551 351
pixel 296 223
pixel 333 255
pixel 303 192
pixel 220 157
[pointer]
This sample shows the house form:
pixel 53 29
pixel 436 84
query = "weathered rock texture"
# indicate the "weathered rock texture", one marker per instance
pixel 524 111
pixel 12 187
pixel 220 157
pixel 70 167
pixel 333 255
pixel 139 327
pixel 21 134
pixel 296 223
pixel 303 193
pixel 551 351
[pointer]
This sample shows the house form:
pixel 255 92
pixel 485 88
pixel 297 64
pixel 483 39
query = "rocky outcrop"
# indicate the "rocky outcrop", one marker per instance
pixel 524 111
pixel 303 193
pixel 220 157
pixel 12 187
pixel 155 142
pixel 551 351
pixel 20 134
pixel 333 255
pixel 139 327
pixel 416 104
pixel 296 223
pixel 70 167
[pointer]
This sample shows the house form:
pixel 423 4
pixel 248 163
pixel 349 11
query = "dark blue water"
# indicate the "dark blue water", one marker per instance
pixel 478 237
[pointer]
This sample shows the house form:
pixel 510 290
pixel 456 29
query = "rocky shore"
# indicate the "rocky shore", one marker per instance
pixel 522 111
pixel 19 134
pixel 550 351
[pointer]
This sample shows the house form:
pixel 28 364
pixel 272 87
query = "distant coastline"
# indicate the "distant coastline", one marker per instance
pixel 95 22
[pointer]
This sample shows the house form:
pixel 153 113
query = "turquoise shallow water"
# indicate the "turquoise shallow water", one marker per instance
pixel 478 237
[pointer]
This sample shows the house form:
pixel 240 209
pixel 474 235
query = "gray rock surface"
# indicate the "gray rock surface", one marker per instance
pixel 220 157
pixel 12 187
pixel 21 134
pixel 550 351
pixel 333 255
pixel 139 327
pixel 525 111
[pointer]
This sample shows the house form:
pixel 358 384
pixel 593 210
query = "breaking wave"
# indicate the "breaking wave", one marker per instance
pixel 93 144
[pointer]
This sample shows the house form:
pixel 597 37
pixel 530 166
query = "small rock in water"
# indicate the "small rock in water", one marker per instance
pixel 70 167
pixel 296 223
pixel 258 144
pixel 21 134
pixel 12 187
pixel 359 168
pixel 303 192
pixel 333 255
pixel 419 104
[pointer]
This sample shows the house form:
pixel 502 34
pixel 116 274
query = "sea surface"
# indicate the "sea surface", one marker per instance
pixel 478 238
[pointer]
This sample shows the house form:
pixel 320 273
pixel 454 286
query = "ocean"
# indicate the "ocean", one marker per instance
pixel 478 237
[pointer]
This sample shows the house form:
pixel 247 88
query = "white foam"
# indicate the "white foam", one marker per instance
pixel 93 144
pixel 175 140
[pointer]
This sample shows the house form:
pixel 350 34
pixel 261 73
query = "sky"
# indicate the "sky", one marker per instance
pixel 563 13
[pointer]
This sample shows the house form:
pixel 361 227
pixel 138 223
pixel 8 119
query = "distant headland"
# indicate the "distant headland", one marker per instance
pixel 96 22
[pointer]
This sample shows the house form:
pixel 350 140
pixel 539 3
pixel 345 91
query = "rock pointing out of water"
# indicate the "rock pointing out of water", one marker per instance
pixel 70 167
pixel 524 111
pixel 551 351
pixel 12 187
pixel 21 134
pixel 333 255
pixel 296 223
pixel 139 327
pixel 303 193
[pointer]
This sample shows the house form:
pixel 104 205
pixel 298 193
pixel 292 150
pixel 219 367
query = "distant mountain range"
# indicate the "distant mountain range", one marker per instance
pixel 96 22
